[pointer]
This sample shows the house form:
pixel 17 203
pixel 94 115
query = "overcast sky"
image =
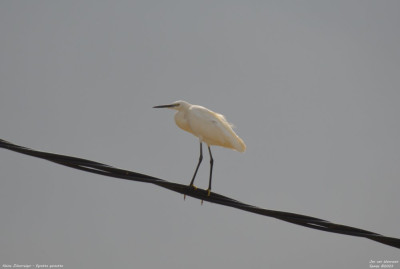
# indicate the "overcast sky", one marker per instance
pixel 312 86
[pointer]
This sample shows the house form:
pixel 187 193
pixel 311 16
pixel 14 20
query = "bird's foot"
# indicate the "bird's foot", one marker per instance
pixel 208 192
pixel 194 187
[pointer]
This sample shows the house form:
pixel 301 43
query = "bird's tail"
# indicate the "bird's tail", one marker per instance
pixel 239 144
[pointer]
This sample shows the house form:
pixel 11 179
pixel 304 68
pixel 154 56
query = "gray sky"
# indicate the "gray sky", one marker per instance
pixel 312 86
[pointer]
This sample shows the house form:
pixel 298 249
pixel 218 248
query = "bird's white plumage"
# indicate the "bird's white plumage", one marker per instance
pixel 210 127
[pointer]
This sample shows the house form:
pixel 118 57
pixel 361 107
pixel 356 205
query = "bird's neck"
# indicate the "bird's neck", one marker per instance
pixel 181 121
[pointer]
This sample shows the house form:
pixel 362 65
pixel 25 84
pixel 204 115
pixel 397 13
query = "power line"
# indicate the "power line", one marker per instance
pixel 110 171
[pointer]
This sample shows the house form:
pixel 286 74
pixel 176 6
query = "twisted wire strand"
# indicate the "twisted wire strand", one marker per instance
pixel 110 171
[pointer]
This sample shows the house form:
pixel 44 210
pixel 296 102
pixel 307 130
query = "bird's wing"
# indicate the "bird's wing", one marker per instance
pixel 223 119
pixel 211 127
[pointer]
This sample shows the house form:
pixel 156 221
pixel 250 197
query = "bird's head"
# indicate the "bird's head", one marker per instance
pixel 178 105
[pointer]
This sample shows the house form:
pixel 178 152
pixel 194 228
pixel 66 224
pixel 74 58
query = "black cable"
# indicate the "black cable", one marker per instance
pixel 110 171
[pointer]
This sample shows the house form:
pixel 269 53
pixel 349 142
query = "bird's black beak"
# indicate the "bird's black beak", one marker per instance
pixel 163 106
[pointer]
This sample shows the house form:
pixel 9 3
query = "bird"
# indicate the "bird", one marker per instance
pixel 209 127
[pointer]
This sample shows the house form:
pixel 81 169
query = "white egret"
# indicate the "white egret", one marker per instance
pixel 210 127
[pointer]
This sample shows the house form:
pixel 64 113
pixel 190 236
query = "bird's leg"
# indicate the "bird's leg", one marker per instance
pixel 198 165
pixel 197 168
pixel 211 169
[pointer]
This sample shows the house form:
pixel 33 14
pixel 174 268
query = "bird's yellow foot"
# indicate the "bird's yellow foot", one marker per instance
pixel 208 192
pixel 194 187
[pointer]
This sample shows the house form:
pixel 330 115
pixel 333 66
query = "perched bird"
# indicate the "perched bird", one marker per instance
pixel 210 127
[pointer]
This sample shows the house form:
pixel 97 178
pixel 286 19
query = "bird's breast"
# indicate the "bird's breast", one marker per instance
pixel 182 122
